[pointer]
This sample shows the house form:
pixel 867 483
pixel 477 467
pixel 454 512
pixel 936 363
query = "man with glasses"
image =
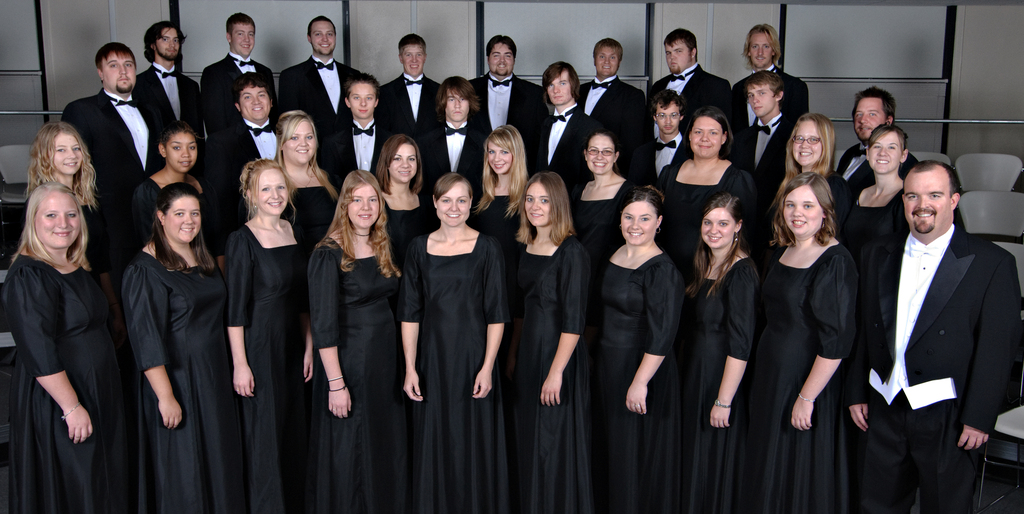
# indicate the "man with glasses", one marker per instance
pixel 668 149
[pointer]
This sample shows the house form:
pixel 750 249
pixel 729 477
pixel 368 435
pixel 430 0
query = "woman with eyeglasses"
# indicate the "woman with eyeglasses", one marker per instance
pixel 812 149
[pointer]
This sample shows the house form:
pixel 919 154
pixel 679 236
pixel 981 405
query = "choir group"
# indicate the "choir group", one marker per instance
pixel 437 298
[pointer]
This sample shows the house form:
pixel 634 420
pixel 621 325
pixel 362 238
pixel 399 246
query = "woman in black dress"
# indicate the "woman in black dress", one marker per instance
pixel 688 186
pixel 718 336
pixel 358 457
pixel 190 450
pixel 595 210
pixel 812 149
pixel 271 349
pixel 409 210
pixel 178 147
pixel 879 209
pixel 452 309
pixel 795 456
pixel 67 449
pixel 552 407
pixel 59 155
pixel 314 192
pixel 635 384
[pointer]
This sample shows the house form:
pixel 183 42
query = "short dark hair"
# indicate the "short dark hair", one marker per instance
pixel 888 101
pixel 115 48
pixel 153 33
pixel 309 27
pixel 246 80
pixel 662 99
pixel 239 18
pixel 648 194
pixel 615 145
pixel 412 39
pixel 608 43
pixel 930 165
pixel 765 78
pixel 361 78
pixel 458 86
pixel 554 71
pixel 683 35
pixel 176 127
pixel 710 111
pixel 504 40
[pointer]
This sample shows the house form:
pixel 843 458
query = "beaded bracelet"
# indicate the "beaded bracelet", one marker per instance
pixel 802 398
pixel 64 417
pixel 722 405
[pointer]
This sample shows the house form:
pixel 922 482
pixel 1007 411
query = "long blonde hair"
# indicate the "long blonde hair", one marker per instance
pixel 826 164
pixel 341 233
pixel 31 246
pixel 287 124
pixel 40 166
pixel 507 138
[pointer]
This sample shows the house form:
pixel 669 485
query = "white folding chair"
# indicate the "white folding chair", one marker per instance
pixel 932 156
pixel 988 171
pixel 993 212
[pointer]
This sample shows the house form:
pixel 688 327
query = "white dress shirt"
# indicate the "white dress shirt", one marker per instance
pixel 363 144
pixel 456 142
pixel 920 261
pixel 136 125
pixel 414 94
pixel 244 69
pixel 266 142
pixel 497 101
pixel 762 138
pixel 331 83
pixel 170 84
pixel 595 94
pixel 856 162
pixel 678 85
pixel 557 129
pixel 664 156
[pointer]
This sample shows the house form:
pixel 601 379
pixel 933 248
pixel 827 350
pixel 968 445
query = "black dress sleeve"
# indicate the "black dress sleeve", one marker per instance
pixel 410 296
pixel 239 264
pixel 842 198
pixel 98 251
pixel 324 271
pixel 663 291
pixel 32 304
pixel 742 292
pixel 741 184
pixel 495 300
pixel 212 227
pixel 833 303
pixel 143 208
pixel 573 282
pixel 146 311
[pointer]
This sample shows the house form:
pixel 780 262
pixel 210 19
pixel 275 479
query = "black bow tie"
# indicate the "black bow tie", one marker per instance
pixel 256 131
pixel 414 82
pixel 320 65
pixel 682 76
pixel 765 128
pixel 859 151
pixel 658 145
pixel 129 103
pixel 165 74
pixel 564 116
pixel 595 85
pixel 243 63
pixel 449 131
pixel 495 83
pixel 368 131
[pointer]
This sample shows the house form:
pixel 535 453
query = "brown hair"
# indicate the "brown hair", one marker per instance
pixel 560 213
pixel 113 48
pixel 247 80
pixel 455 86
pixel 662 99
pixel 250 179
pixel 239 18
pixel 888 101
pixel 714 113
pixel 286 127
pixel 930 165
pixel 783 235
pixel 31 246
pixel 827 131
pixel 773 40
pixel 501 40
pixel 703 257
pixel 162 250
pixel 765 78
pixel 615 145
pixel 361 78
pixel 683 35
pixel 448 181
pixel 387 154
pixel 649 194
pixel 609 43
pixel 880 131
pixel 554 71
pixel 341 233
pixel 40 164
pixel 412 40
pixel 507 138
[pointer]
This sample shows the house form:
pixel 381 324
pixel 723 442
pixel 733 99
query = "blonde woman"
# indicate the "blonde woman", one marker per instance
pixel 812 149
pixel 314 191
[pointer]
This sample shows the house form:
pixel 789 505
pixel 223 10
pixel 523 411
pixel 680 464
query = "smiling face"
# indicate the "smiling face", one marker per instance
pixel 606 62
pixel 601 155
pixel 364 209
pixel 679 57
pixel 117 73
pixel 67 155
pixel 453 206
pixel 182 221
pixel 802 212
pixel 868 115
pixel 499 159
pixel 179 152
pixel 241 39
pixel 298 150
pixel 323 39
pixel 639 222
pixel 501 61
pixel 808 152
pixel 538 205
pixel 403 165
pixel 362 100
pixel 706 138
pixel 254 104
pixel 928 204
pixel 760 51
pixel 412 58
pixel 719 229
pixel 271 192
pixel 886 154
pixel 57 224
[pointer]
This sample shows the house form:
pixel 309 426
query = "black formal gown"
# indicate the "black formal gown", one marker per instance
pixel 684 210
pixel 98 250
pixel 553 442
pixel 458 442
pixel 59 324
pixel 314 211
pixel 144 212
pixel 404 226
pixel 715 327
pixel 636 458
pixel 810 313
pixel 865 224
pixel 176 319
pixel 597 226
pixel 267 295
pixel 842 198
pixel 358 464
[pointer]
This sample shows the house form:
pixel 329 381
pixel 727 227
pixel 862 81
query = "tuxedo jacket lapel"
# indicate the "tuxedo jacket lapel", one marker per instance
pixel 545 135
pixel 888 292
pixel 319 90
pixel 406 102
pixel 951 271
pixel 608 98
pixel 108 110
pixel 775 144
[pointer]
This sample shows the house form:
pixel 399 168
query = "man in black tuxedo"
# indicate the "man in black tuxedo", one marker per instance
pixel 456 147
pixel 872 107
pixel 618 106
pixel 763 50
pixel 688 79
pixel 122 137
pixel 228 150
pixel 407 104
pixel 315 85
pixel 669 148
pixel 219 111
pixel 939 325
pixel 761 149
pixel 564 134
pixel 506 99
pixel 174 95
pixel 357 148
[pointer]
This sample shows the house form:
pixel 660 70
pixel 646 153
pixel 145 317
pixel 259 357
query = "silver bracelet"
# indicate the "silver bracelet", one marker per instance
pixel 336 379
pixel 722 405
pixel 64 417
pixel 798 395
